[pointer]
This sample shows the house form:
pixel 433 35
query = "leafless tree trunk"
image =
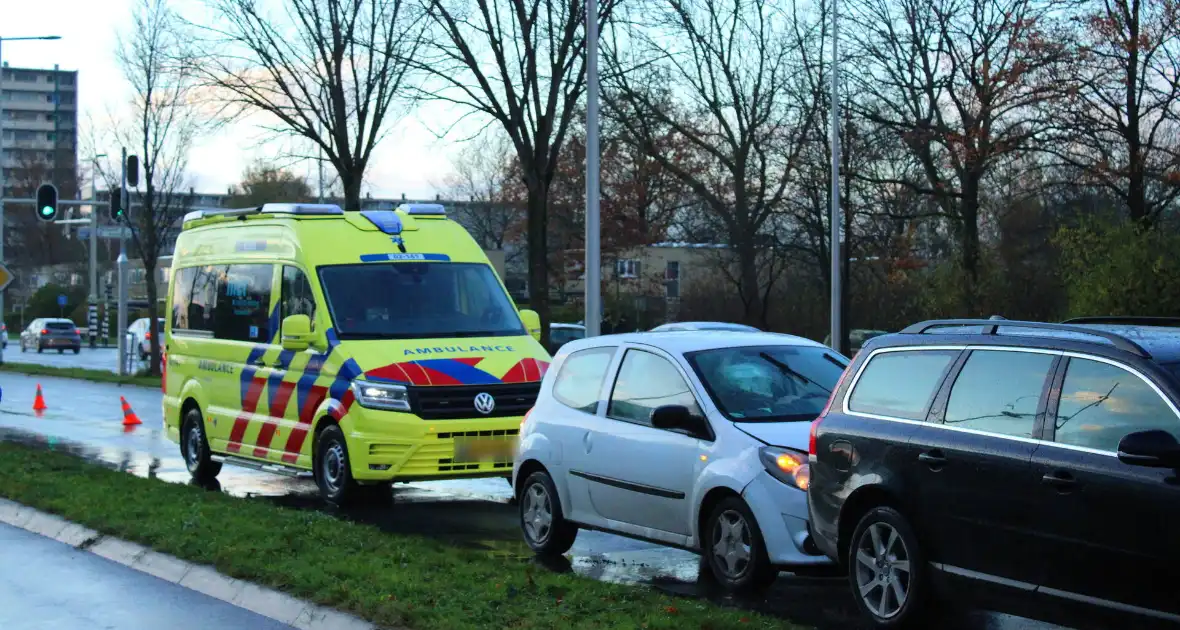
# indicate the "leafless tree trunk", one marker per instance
pixel 963 84
pixel 1120 129
pixel 165 117
pixel 520 64
pixel 330 71
pixel 726 77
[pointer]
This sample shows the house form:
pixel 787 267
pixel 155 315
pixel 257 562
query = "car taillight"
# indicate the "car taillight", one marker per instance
pixel 44 331
pixel 811 449
pixel 147 335
pixel 78 330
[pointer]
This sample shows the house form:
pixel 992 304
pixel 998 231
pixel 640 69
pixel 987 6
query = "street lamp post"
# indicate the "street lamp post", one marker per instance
pixel 593 273
pixel 837 330
pixel 92 311
pixel 3 184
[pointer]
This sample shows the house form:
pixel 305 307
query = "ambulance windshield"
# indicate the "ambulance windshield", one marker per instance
pixel 418 300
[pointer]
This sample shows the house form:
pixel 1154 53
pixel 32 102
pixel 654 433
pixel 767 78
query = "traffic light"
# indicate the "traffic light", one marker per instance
pixel 47 203
pixel 116 206
pixel 133 171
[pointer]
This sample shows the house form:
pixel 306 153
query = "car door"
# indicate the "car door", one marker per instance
pixel 636 474
pixel 282 436
pixel 1110 530
pixel 243 332
pixel 972 470
pixel 578 403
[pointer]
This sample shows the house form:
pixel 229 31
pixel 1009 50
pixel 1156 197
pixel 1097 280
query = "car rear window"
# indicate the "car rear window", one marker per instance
pixel 60 326
pixel 900 384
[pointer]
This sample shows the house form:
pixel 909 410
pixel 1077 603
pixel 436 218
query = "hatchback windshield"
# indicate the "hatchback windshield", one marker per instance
pixel 768 383
pixel 417 300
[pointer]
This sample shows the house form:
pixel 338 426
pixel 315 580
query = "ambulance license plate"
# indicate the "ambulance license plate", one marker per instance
pixel 477 450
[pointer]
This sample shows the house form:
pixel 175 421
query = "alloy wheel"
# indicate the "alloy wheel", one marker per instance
pixel 882 570
pixel 537 516
pixel 731 544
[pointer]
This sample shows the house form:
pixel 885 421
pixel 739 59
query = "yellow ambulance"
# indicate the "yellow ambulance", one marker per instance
pixel 360 347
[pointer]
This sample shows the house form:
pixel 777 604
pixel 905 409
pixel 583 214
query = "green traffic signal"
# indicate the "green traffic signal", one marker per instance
pixel 47 202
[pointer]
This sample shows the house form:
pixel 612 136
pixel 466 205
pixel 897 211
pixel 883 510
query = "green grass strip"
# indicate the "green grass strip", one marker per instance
pixel 98 376
pixel 389 579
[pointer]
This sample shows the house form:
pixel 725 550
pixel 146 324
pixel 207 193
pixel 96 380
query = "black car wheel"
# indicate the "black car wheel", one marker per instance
pixel 734 550
pixel 333 468
pixel 544 526
pixel 77 349
pixel 22 345
pixel 40 348
pixel 194 447
pixel 886 570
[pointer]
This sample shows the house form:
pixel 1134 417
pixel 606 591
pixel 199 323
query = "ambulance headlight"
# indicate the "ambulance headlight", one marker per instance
pixel 381 395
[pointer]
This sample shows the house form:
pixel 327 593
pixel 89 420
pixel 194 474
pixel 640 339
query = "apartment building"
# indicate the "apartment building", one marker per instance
pixel 39 130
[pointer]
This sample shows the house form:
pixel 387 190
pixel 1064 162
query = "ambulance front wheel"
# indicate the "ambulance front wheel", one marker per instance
pixel 194 447
pixel 333 469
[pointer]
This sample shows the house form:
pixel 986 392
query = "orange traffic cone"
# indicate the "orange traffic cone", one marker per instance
pixel 129 417
pixel 39 401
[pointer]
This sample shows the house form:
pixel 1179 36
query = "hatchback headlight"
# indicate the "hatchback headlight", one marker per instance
pixel 381 395
pixel 787 465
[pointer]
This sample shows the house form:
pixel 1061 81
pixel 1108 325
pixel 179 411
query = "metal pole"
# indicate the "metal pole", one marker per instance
pixel 2 185
pixel 320 163
pixel 837 312
pixel 122 266
pixel 92 312
pixel 593 273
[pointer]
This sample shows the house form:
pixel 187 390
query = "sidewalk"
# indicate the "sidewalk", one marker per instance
pixel 56 574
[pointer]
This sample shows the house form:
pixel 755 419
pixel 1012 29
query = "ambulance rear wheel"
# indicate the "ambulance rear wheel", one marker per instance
pixel 194 447
pixel 333 469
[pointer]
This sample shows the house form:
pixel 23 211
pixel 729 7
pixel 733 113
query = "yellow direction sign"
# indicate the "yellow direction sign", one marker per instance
pixel 6 277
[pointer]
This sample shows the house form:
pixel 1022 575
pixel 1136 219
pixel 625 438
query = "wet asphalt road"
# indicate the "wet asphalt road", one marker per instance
pixel 96 359
pixel 73 589
pixel 85 418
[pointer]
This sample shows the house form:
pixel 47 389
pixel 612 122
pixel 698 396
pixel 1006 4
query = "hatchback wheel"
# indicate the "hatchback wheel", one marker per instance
pixel 734 549
pixel 541 521
pixel 885 568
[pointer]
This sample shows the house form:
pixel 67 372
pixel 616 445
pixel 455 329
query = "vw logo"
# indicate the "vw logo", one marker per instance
pixel 485 403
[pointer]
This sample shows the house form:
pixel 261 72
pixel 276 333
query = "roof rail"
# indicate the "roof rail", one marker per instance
pixel 991 327
pixel 305 209
pixel 1130 320
pixel 420 209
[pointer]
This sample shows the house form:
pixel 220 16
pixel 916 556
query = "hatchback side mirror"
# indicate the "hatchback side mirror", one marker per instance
pixel 1153 449
pixel 296 332
pixel 679 418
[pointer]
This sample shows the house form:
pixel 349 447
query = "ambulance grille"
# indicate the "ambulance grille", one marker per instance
pixel 458 402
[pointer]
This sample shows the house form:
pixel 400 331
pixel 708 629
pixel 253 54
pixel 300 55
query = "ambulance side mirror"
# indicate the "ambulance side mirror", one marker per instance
pixel 296 332
pixel 532 322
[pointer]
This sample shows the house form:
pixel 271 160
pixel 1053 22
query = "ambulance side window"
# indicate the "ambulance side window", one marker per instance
pixel 242 312
pixel 297 296
pixel 194 298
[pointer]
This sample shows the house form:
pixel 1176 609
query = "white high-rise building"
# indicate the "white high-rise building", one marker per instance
pixel 39 130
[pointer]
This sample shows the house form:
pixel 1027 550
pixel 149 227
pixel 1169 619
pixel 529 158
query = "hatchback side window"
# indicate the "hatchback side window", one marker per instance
pixel 1101 404
pixel 579 380
pixel 900 384
pixel 999 391
pixel 645 382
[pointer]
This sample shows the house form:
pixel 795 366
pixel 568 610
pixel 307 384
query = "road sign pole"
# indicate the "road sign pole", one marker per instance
pixel 122 265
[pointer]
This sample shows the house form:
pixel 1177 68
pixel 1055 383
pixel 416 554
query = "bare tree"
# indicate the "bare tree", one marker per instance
pixel 163 119
pixel 330 71
pixel 963 85
pixel 726 79
pixel 520 64
pixel 1120 129
pixel 484 175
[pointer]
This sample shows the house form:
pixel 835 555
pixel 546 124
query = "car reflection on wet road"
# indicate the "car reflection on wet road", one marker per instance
pixel 85 419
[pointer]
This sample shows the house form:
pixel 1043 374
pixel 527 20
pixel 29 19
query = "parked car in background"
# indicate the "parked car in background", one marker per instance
pixel 691 440
pixel 561 334
pixel 141 336
pixel 4 334
pixel 857 338
pixel 1029 466
pixel 704 326
pixel 51 333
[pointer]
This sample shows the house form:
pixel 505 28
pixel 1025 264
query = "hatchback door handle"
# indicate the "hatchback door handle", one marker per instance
pixel 932 458
pixel 1060 480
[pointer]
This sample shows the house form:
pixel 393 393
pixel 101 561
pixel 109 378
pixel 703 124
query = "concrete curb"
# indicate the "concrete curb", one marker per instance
pixel 258 599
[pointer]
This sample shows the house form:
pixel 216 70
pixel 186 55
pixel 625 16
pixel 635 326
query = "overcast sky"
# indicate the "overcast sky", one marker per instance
pixel 410 160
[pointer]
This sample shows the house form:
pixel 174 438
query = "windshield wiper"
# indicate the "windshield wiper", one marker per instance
pixel 786 369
